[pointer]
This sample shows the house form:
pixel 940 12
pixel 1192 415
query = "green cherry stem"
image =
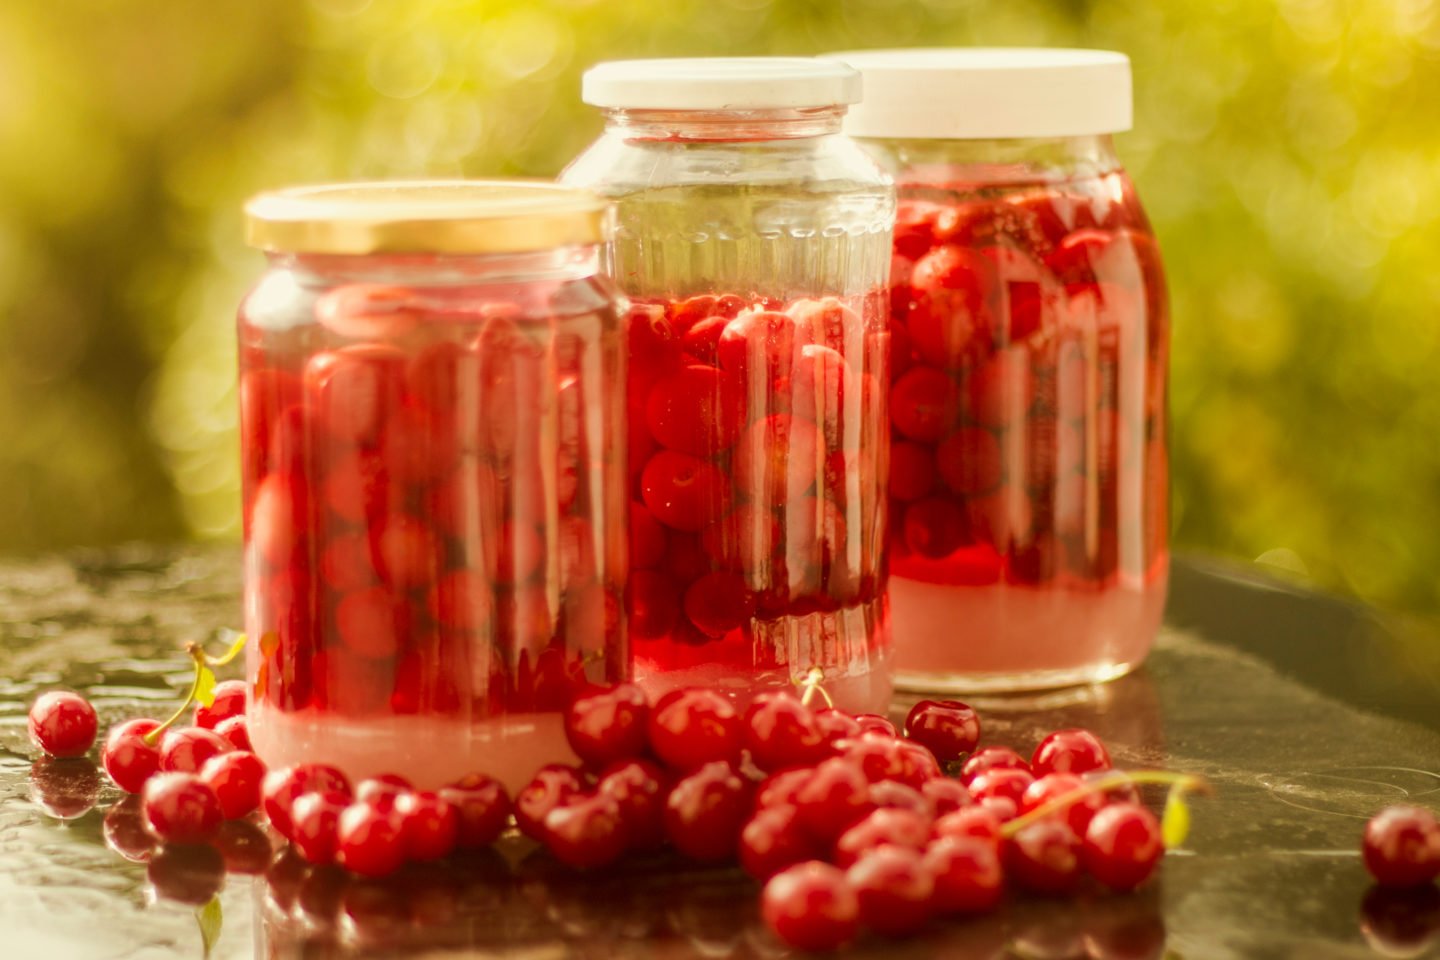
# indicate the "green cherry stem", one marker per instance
pixel 203 686
pixel 1178 783
pixel 814 683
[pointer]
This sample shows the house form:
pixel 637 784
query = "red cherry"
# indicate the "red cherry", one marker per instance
pixel 608 724
pixel 62 724
pixel 429 824
pixel 1074 259
pixel 811 906
pixel 692 727
pixel 945 795
pixel 924 404
pixel 1402 846
pixel 1070 751
pixel 235 778
pixel 1000 782
pixel 552 785
pixel 185 749
pixel 697 410
pixel 281 788
pixel 877 755
pixel 382 792
pixel 782 732
pixel 370 622
pixel 406 552
pixel 968 875
pixel 1053 786
pixel 765 341
pixel 917 763
pixel 835 724
pixel 879 828
pixel 935 527
pixel 912 471
pixel 278 524
pixel 369 842
pixel 229 702
pixel 128 759
pixel 461 600
pixel 781 789
pixel 354 389
pixel 236 732
pixel 776 459
pixel 482 808
pixel 368 310
pixel 586 831
pixel 949 728
pixel 1123 844
pixel 970 823
pixel 315 825
pixel 951 320
pixel 1044 857
pixel 747 539
pixel 719 602
pixel 639 788
pixel 834 798
pixel 874 723
pixel 705 812
pixel 826 390
pixel 895 890
pixel 987 757
pixel 178 808
pixel 893 795
pixel 773 841
pixel 683 492
pixel 969 461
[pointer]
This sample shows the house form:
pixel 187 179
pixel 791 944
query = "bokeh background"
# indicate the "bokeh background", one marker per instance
pixel 1288 152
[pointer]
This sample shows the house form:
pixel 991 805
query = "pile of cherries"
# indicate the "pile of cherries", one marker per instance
pixel 751 423
pixel 849 825
pixel 1027 383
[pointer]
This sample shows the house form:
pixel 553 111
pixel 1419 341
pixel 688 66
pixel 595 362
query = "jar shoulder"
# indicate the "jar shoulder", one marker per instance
pixel 617 166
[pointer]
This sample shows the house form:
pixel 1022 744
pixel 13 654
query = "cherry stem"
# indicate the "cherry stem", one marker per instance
pixel 813 684
pixel 1179 782
pixel 200 660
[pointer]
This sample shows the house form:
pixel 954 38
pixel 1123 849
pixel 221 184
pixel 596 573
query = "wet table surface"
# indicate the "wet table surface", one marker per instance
pixel 1304 712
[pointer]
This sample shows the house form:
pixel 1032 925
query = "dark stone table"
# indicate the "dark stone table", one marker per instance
pixel 1304 712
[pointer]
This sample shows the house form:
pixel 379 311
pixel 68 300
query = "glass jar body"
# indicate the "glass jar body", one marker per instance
pixel 1029 483
pixel 753 248
pixel 434 528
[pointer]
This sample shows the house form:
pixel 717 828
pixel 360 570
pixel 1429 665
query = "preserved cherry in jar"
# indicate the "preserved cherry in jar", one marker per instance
pixel 752 242
pixel 431 392
pixel 1028 470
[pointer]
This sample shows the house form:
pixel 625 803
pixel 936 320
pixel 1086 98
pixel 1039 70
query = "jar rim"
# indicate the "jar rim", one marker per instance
pixel 425 216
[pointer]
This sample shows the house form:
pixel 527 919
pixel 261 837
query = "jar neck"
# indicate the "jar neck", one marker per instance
pixel 732 126
pixel 1003 161
pixel 442 269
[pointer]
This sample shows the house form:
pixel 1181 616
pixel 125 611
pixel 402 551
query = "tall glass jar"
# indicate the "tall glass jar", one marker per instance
pixel 431 391
pixel 1028 472
pixel 753 240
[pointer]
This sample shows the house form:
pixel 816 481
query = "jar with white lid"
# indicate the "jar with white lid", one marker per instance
pixel 1029 475
pixel 431 387
pixel 753 240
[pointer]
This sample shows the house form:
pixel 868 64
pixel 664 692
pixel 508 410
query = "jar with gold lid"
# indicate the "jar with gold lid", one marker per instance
pixel 431 387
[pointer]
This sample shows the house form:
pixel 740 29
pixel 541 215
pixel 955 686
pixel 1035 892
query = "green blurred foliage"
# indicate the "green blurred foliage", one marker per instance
pixel 1288 151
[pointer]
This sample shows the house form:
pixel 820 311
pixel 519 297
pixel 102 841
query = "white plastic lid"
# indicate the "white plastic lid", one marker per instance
pixel 978 93
pixel 721 83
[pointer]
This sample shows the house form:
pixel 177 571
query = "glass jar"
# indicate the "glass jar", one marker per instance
pixel 753 241
pixel 431 387
pixel 1028 472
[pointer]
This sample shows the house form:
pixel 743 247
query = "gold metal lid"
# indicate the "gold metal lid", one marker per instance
pixel 425 216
